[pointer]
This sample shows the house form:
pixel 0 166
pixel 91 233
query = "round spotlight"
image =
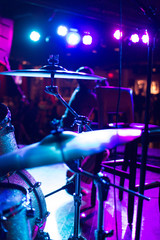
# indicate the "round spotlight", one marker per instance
pixel 35 36
pixel 62 31
pixel 73 38
pixel 87 39
pixel 117 34
pixel 145 38
pixel 134 38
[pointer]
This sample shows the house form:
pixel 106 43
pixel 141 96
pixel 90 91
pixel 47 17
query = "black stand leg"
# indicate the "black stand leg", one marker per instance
pixel 100 234
pixel 145 139
pixel 132 180
pixel 77 203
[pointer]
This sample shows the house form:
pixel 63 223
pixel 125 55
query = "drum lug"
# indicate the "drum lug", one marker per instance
pixel 36 185
pixel 40 221
pixel 30 213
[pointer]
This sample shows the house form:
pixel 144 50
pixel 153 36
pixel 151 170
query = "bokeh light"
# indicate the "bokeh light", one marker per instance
pixel 35 36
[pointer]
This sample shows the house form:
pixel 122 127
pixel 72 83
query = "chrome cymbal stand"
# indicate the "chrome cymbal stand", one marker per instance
pixel 81 121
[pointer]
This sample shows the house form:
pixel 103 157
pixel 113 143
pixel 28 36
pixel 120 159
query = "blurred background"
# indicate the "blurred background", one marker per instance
pixel 106 35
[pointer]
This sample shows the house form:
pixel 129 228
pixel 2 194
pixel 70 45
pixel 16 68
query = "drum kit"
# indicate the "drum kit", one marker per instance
pixel 20 193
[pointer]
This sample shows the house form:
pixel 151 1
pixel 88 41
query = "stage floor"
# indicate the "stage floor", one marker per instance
pixel 60 223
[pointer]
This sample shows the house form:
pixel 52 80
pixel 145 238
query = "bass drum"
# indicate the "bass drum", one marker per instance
pixel 37 201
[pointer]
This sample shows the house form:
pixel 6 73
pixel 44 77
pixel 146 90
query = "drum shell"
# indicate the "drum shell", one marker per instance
pixel 13 200
pixel 7 141
pixel 7 136
pixel 23 178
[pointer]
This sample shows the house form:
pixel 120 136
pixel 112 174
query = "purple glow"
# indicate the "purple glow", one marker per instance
pixel 134 38
pixel 145 38
pixel 62 31
pixel 87 39
pixel 117 34
pixel 73 38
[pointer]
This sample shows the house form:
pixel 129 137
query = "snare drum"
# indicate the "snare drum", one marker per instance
pixel 24 179
pixel 14 222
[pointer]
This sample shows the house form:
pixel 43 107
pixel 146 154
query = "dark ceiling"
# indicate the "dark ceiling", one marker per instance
pixel 101 16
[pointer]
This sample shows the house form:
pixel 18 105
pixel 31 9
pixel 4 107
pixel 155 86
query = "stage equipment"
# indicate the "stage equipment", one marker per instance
pixel 20 194
pixel 49 71
pixel 65 146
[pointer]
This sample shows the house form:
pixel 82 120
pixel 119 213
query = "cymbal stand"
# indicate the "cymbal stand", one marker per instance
pixel 152 28
pixel 103 184
pixel 81 121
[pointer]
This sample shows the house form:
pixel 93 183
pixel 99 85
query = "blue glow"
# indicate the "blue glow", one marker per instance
pixel 62 31
pixel 73 38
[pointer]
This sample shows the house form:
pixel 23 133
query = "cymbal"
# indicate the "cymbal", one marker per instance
pixel 48 73
pixel 64 147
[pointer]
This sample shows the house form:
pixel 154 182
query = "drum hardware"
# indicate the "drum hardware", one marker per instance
pixel 62 188
pixel 68 146
pixel 103 183
pixel 35 205
pixel 3 230
pixel 81 121
pixel 36 185
pixel 38 228
pixel 53 70
pixel 13 201
pixel 32 204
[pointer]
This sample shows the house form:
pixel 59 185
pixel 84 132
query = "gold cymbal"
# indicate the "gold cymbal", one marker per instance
pixel 48 73
pixel 64 147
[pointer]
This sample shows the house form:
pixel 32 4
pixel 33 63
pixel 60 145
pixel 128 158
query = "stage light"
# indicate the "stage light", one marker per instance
pixel 62 31
pixel 117 34
pixel 73 38
pixel 35 36
pixel 145 38
pixel 134 38
pixel 87 39
pixel 110 75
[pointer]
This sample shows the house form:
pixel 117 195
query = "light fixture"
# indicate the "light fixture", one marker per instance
pixel 62 31
pixel 117 34
pixel 87 39
pixel 134 38
pixel 73 37
pixel 35 36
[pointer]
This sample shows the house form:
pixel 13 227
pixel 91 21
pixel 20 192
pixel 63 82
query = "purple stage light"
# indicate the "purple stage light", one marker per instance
pixel 117 34
pixel 145 38
pixel 134 38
